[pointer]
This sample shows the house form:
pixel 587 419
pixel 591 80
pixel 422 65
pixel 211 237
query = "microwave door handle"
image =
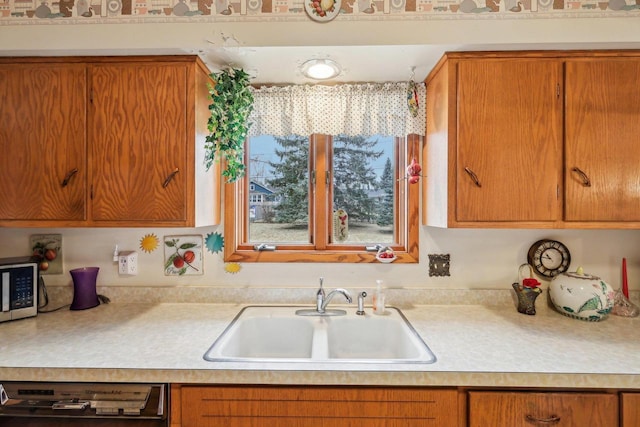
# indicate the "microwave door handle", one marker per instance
pixel 6 282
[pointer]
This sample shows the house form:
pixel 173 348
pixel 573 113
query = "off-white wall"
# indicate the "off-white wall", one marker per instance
pixel 479 258
pixel 192 37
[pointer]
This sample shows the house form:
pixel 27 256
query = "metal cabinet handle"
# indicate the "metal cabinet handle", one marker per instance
pixel 68 177
pixel 583 176
pixel 473 176
pixel 170 178
pixel 553 419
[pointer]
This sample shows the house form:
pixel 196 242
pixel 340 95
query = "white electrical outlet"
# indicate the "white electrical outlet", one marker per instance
pixel 128 263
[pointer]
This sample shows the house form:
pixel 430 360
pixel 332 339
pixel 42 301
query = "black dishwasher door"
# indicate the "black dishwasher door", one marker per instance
pixel 40 404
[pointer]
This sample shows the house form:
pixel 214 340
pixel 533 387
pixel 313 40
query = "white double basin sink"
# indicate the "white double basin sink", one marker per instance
pixel 277 334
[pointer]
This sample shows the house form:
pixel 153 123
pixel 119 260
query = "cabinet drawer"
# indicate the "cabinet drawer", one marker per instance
pixel 630 409
pixel 317 407
pixel 526 409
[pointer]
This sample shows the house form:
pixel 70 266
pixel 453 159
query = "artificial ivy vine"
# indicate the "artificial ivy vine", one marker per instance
pixel 231 104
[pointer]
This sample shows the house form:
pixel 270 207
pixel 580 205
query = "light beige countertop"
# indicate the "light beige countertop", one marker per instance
pixel 476 345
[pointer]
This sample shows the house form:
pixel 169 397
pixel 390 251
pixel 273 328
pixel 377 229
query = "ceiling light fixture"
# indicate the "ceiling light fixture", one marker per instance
pixel 320 69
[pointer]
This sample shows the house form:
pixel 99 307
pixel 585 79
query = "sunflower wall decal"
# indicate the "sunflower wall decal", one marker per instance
pixel 149 243
pixel 232 267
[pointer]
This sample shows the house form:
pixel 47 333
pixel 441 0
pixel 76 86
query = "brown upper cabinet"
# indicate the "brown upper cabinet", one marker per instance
pixel 533 140
pixel 105 141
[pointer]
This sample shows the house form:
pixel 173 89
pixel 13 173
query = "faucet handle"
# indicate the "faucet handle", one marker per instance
pixel 320 296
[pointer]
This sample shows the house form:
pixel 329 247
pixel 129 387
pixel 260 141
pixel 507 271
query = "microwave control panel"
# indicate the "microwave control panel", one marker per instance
pixel 18 291
pixel 21 287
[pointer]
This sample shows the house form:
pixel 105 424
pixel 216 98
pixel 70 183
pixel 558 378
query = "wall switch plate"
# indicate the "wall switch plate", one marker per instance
pixel 439 264
pixel 128 263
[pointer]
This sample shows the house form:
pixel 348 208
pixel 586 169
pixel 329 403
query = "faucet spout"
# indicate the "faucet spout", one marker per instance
pixel 330 296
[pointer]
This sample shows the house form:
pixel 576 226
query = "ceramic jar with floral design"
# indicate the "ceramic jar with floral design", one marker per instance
pixel 581 296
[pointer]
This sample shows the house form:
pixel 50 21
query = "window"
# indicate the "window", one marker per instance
pixel 323 199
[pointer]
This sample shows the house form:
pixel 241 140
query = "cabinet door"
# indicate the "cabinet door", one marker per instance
pixel 42 140
pixel 602 175
pixel 272 406
pixel 630 409
pixel 515 409
pixel 138 142
pixel 509 140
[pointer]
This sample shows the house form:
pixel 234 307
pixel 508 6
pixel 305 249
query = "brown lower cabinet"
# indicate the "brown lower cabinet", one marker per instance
pixel 351 406
pixel 299 406
pixel 630 409
pixel 526 409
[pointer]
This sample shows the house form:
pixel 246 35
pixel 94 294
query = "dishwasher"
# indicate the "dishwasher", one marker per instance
pixel 47 404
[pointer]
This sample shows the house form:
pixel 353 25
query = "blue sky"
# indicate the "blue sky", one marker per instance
pixel 262 148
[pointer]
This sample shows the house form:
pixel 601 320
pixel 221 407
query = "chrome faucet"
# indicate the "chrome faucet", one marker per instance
pixel 326 300
pixel 323 300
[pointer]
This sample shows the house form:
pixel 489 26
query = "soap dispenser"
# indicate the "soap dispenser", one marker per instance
pixel 378 299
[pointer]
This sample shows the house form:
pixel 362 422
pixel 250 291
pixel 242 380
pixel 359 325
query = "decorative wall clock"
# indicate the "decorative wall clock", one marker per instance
pixel 549 258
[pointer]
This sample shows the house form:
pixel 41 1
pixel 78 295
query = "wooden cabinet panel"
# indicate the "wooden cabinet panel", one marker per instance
pixel 508 138
pixel 128 132
pixel 630 409
pixel 210 406
pixel 602 128
pixel 138 134
pixel 42 138
pixel 533 140
pixel 515 409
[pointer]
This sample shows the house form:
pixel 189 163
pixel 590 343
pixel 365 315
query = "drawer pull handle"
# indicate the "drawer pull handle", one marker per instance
pixel 70 175
pixel 553 419
pixel 473 176
pixel 170 178
pixel 583 176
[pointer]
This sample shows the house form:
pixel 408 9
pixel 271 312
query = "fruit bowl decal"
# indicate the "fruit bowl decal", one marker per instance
pixel 47 250
pixel 183 255
pixel 322 10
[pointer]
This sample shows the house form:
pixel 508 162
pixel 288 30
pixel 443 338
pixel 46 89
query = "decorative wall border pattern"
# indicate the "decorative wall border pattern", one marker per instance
pixel 42 12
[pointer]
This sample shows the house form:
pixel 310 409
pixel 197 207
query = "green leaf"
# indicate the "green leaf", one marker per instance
pixel 169 261
pixel 592 304
pixel 232 102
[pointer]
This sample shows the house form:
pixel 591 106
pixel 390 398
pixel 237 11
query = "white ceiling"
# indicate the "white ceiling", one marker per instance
pixel 280 65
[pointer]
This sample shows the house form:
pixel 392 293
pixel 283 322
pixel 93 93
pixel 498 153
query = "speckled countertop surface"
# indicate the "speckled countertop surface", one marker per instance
pixel 476 345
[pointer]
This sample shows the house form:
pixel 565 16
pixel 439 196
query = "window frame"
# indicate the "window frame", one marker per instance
pixel 407 206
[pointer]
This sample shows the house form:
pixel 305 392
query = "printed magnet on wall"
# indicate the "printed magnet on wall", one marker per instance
pixel 47 249
pixel 183 255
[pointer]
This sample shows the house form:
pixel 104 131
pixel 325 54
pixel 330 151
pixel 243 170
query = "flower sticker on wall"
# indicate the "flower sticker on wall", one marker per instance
pixel 149 243
pixel 183 255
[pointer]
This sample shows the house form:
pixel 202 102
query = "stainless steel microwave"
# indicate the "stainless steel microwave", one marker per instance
pixel 18 288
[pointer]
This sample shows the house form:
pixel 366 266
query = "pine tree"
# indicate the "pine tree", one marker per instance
pixel 385 208
pixel 291 181
pixel 354 177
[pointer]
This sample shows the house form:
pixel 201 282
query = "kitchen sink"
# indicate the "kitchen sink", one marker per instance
pixel 277 334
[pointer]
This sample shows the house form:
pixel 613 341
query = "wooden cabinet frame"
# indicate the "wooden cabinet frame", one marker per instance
pixel 444 193
pixel 172 96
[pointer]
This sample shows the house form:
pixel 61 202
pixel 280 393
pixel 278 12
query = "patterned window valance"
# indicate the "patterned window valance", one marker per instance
pixel 348 109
